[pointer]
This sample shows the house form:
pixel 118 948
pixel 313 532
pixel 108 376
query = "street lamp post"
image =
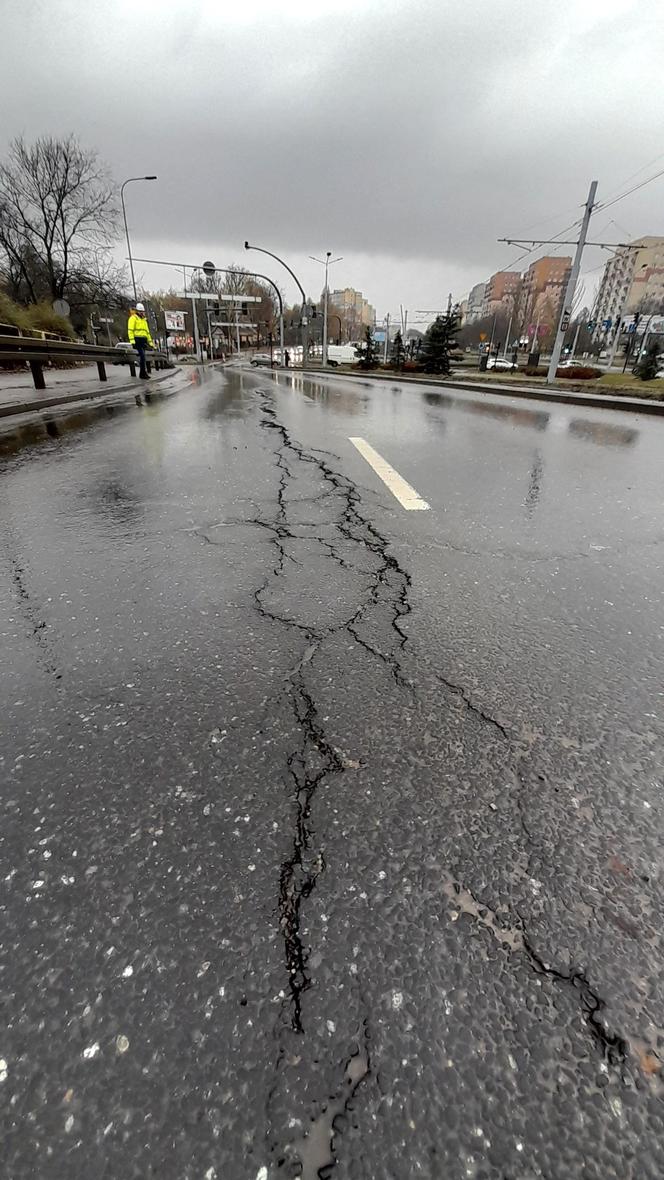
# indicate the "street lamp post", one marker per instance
pixel 305 332
pixel 124 215
pixel 327 262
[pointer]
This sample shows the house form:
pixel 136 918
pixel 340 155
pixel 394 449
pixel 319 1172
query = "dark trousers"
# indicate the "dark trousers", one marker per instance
pixel 140 344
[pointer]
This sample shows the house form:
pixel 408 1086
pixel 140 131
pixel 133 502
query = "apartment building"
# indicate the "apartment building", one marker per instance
pixel 475 303
pixel 542 290
pixel 501 292
pixel 633 280
pixel 354 309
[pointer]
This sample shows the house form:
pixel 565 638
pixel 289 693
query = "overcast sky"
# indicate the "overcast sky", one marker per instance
pixel 405 135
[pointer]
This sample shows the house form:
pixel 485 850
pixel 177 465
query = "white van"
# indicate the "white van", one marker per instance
pixel 342 354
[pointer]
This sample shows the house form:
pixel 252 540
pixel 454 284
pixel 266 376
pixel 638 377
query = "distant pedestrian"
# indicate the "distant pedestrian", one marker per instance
pixel 139 335
pixel 287 358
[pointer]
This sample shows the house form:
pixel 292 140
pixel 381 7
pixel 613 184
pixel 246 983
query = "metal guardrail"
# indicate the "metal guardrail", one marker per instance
pixel 37 353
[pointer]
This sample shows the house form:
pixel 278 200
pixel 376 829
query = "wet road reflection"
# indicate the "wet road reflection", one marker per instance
pixel 534 484
pixel 603 434
pixel 517 416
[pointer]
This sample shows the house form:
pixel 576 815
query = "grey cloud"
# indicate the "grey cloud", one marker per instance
pixel 417 130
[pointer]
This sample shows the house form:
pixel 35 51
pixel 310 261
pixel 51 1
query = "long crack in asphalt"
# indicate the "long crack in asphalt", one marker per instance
pixel 315 759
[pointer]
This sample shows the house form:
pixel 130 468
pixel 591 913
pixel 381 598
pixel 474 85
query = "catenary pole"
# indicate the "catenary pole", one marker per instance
pixel 568 300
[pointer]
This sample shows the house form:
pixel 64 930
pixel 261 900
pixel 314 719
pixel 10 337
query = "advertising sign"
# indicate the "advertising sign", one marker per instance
pixel 174 321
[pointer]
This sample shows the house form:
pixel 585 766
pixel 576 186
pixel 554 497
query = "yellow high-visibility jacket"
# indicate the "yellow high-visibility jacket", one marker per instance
pixel 138 326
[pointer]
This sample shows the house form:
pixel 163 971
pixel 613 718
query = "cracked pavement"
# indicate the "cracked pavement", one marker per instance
pixel 331 839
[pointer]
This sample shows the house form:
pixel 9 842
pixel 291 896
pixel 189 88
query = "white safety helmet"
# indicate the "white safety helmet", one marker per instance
pixel 139 307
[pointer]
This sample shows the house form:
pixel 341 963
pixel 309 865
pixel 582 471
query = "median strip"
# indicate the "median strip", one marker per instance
pixel 397 485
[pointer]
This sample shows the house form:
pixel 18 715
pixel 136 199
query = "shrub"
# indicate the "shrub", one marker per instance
pixel 579 373
pixel 648 366
pixel 535 371
pixel 38 317
pixel 12 313
pixel 42 317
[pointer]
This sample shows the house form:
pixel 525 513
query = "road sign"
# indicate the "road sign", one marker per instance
pixel 209 269
pixel 564 323
pixel 607 322
pixel 216 297
pixel 482 335
pixel 61 307
pixel 105 319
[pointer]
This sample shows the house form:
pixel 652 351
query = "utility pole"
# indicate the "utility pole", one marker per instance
pixel 576 341
pixel 566 309
pixel 566 312
pixel 209 328
pixel 387 337
pixel 535 344
pixel 197 338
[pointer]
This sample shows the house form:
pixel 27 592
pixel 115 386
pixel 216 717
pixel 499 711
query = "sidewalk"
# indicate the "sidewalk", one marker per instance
pixel 19 396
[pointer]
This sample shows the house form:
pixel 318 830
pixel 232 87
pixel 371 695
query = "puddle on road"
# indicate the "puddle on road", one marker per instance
pixel 315 1150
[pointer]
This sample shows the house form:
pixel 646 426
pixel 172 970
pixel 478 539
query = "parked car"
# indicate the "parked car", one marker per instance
pixel 501 364
pixel 122 348
pixel 263 359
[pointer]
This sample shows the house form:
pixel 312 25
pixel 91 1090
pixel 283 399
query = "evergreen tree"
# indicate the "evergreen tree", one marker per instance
pixel 439 342
pixel 398 353
pixel 648 366
pixel 368 352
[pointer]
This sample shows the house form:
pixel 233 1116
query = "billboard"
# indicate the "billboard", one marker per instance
pixel 174 321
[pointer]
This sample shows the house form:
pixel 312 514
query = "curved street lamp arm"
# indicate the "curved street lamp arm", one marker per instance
pixel 281 261
pixel 254 274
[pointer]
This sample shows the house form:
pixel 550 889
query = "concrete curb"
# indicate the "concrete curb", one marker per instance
pixel 633 405
pixel 11 409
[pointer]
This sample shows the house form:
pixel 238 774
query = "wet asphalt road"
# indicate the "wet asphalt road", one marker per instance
pixel 331 833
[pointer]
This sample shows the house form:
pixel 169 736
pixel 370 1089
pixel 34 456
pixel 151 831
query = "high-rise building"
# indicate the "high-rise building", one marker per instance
pixel 475 303
pixel 501 292
pixel 542 289
pixel 354 309
pixel 633 280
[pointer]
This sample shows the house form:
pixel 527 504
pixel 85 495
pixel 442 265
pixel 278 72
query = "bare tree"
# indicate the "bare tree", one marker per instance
pixel 56 213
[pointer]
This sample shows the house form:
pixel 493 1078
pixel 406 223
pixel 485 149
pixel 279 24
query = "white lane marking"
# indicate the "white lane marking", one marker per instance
pixel 404 493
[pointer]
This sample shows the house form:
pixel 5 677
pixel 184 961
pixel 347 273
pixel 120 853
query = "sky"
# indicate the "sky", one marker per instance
pixel 405 136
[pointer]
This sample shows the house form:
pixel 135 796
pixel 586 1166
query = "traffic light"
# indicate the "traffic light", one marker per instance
pixel 245 309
